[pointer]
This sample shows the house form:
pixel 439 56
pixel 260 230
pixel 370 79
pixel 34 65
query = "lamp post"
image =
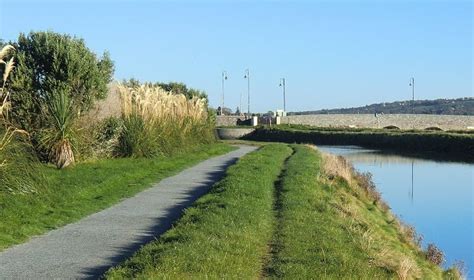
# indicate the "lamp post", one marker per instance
pixel 412 163
pixel 412 84
pixel 247 76
pixel 224 77
pixel 283 84
pixel 240 104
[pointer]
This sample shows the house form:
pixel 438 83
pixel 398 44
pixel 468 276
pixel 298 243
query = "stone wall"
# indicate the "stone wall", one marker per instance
pixel 228 120
pixel 402 121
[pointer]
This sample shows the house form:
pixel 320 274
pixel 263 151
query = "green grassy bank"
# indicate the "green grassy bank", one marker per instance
pixel 225 233
pixel 431 144
pixel 285 212
pixel 336 230
pixel 67 195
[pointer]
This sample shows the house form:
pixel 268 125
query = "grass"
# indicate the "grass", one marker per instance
pixel 68 195
pixel 286 214
pixel 225 234
pixel 334 230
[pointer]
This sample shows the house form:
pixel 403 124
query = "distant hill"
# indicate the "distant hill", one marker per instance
pixel 459 106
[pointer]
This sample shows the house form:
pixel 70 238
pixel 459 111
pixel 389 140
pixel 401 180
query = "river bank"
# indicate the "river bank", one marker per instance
pixel 454 146
pixel 286 212
pixel 420 192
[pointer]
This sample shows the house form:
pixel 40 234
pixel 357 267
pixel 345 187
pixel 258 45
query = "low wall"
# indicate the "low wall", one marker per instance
pixel 228 120
pixel 402 121
pixel 233 133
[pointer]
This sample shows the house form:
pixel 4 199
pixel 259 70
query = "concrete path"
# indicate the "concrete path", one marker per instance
pixel 87 248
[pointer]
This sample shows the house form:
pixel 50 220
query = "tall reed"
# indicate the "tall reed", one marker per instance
pixel 6 130
pixel 7 68
pixel 15 169
pixel 157 122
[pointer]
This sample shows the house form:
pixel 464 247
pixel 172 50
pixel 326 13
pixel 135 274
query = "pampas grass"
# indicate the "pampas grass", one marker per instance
pixel 8 67
pixel 8 130
pixel 16 172
pixel 157 122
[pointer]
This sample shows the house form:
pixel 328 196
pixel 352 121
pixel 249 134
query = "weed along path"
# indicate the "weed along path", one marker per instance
pixel 86 249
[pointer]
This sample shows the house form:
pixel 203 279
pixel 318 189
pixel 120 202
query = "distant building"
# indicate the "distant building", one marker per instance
pixel 279 113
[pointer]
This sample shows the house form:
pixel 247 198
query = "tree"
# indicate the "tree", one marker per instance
pixel 181 88
pixel 57 78
pixel 173 87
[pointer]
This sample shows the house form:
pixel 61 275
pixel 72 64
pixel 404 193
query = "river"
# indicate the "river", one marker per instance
pixel 434 196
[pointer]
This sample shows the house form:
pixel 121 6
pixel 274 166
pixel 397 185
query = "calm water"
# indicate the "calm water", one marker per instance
pixel 435 197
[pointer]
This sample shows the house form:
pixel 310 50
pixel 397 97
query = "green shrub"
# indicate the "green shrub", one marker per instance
pixel 18 172
pixel 57 79
pixel 99 140
pixel 137 140
pixel 59 138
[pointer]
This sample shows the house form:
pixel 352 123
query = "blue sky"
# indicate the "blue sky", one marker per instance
pixel 332 53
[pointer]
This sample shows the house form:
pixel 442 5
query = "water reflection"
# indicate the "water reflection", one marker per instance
pixel 442 210
pixel 412 163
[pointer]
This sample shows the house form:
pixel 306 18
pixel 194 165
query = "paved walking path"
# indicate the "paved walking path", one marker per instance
pixel 87 248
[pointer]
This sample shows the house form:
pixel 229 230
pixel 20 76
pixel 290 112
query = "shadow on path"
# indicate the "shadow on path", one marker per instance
pixel 161 224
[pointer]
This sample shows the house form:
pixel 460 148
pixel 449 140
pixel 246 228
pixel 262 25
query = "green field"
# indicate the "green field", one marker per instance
pixel 282 212
pixel 67 195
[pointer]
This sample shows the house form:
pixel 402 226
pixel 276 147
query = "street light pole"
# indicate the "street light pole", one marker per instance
pixel 283 84
pixel 247 76
pixel 240 104
pixel 224 77
pixel 412 84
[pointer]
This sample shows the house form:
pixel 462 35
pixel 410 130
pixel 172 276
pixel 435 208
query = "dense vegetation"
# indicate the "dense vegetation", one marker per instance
pixel 56 78
pixel 434 144
pixel 303 216
pixel 49 82
pixel 16 172
pixel 459 106
pixel 60 197
pixel 158 122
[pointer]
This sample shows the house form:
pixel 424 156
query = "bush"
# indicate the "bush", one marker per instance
pixel 434 254
pixel 16 169
pixel 57 79
pixel 157 122
pixel 171 87
pixel 98 140
pixel 18 172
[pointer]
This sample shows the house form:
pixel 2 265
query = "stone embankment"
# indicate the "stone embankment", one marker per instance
pixel 402 121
